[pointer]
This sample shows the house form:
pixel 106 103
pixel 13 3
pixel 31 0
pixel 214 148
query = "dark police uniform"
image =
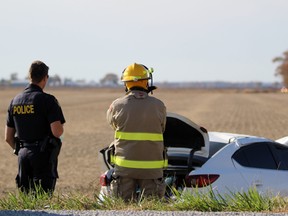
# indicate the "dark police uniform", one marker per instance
pixel 31 113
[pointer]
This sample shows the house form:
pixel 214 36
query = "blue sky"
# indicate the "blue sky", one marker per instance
pixel 183 40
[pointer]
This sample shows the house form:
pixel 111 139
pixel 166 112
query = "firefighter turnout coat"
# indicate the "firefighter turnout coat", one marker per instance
pixel 139 122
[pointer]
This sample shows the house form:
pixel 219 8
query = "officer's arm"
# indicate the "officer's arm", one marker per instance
pixel 9 136
pixel 57 128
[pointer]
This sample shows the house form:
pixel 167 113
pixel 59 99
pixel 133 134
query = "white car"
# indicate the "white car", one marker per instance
pixel 224 162
pixel 243 162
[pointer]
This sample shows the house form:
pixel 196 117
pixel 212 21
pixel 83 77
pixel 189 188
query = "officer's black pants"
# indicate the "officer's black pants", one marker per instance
pixel 35 170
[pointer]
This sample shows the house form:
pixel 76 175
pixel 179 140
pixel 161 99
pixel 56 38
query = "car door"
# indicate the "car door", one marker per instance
pixel 259 164
pixel 280 153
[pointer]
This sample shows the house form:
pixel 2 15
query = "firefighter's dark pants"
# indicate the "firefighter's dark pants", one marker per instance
pixel 36 170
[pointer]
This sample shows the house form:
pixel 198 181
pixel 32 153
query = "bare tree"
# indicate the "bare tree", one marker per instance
pixel 54 80
pixel 14 76
pixel 282 69
pixel 109 80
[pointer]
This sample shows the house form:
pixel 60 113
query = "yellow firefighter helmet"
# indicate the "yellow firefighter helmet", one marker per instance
pixel 135 72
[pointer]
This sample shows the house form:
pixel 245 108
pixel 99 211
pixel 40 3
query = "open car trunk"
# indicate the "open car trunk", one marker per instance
pixel 182 138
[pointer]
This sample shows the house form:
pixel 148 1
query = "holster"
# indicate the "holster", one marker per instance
pixel 51 145
pixel 54 150
pixel 44 144
pixel 55 146
pixel 17 145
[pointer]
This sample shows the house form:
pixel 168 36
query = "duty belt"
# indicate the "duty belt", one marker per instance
pixel 30 144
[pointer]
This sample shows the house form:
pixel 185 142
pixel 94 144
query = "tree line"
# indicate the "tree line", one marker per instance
pixel 111 79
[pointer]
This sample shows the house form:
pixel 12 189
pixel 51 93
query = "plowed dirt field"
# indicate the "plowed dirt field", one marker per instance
pixel 86 130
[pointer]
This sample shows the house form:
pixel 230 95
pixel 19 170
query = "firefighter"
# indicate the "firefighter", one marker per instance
pixel 33 128
pixel 138 120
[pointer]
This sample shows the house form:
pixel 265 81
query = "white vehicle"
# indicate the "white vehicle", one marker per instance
pixel 224 162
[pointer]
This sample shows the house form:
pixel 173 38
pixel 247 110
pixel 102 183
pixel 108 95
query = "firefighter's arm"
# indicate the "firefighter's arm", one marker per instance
pixel 109 117
pixel 9 136
pixel 164 119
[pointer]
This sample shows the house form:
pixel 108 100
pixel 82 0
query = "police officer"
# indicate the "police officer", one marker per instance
pixel 35 124
pixel 139 122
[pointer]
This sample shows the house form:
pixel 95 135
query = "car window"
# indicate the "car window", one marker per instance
pixel 281 155
pixel 257 155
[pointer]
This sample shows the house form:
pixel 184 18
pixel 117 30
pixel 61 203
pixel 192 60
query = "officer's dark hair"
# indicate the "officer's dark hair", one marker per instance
pixel 38 71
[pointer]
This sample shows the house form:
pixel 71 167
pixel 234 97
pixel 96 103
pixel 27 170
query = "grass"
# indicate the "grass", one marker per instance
pixel 250 201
